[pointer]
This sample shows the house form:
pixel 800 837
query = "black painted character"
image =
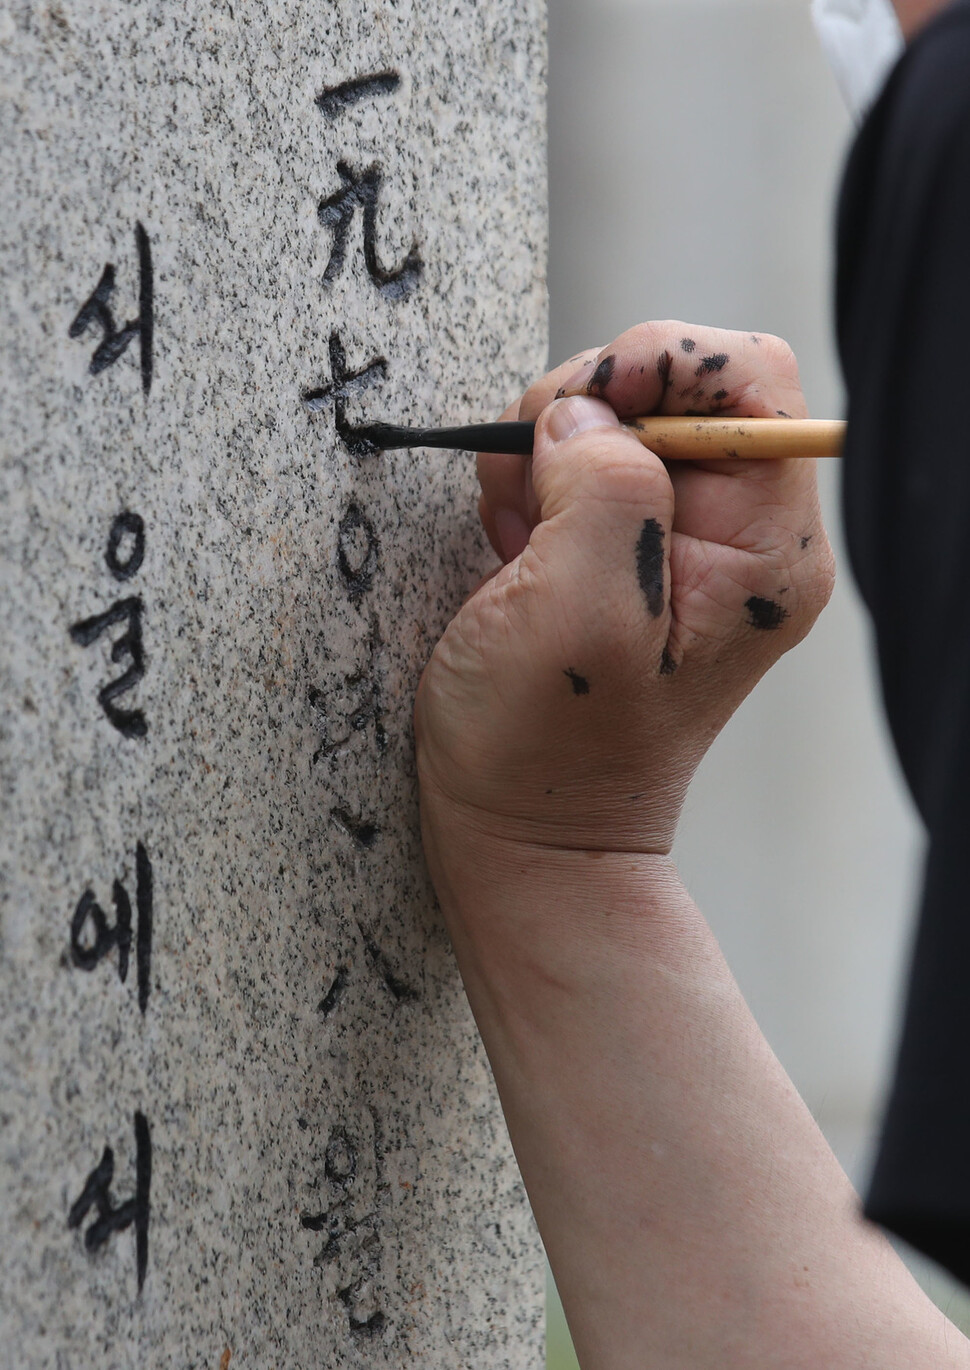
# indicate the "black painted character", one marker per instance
pixel 361 189
pixel 343 385
pixel 86 954
pixel 113 1217
pixel 96 311
pixel 124 555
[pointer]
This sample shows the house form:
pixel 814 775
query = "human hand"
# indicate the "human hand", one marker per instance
pixel 572 697
pixel 558 723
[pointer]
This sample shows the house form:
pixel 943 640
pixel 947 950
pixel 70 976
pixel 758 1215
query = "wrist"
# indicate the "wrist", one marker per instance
pixel 522 913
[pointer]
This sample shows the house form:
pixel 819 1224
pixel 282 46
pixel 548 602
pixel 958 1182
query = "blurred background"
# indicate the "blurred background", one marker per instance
pixel 695 148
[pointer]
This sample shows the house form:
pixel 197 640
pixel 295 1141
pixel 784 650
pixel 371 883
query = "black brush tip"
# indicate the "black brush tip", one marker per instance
pixel 514 437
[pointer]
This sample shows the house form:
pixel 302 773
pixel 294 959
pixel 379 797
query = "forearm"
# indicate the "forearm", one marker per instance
pixel 692 1212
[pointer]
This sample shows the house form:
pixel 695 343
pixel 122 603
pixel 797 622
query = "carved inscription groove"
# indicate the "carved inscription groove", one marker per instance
pixel 353 715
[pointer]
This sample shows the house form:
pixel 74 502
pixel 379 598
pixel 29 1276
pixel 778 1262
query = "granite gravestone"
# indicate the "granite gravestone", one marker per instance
pixel 244 1115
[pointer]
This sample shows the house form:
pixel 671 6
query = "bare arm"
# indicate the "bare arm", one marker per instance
pixel 692 1212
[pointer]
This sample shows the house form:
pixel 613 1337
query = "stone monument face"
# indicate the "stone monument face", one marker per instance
pixel 245 1118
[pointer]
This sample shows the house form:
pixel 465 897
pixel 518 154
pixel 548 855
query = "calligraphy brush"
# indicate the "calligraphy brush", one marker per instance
pixel 675 439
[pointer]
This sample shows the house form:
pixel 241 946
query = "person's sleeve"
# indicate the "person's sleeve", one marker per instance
pixel 905 337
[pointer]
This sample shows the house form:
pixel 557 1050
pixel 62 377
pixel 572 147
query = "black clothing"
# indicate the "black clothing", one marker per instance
pixel 903 309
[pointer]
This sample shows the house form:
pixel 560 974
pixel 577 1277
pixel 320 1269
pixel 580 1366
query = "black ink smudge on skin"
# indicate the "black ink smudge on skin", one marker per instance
pixel 756 339
pixel 667 664
pixel 579 682
pixel 720 395
pixel 781 414
pixel 687 344
pixel 664 363
pixel 803 542
pixel 717 362
pixel 764 613
pixel 602 376
pixel 650 565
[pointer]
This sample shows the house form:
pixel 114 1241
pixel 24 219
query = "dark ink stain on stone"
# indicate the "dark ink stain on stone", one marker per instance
pixel 302 1124
pixel 334 994
pixel 362 833
pixel 402 993
pixel 667 664
pixel 360 1327
pixel 717 362
pixel 337 1228
pixel 315 1222
pixel 580 683
pixel 687 344
pixel 335 99
pixel 664 363
pixel 358 550
pixel 764 613
pixel 650 565
pixel 602 376
pixel 340 1161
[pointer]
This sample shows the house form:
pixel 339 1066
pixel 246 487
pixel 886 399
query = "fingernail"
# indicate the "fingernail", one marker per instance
pixel 513 532
pixel 576 414
pixel 580 379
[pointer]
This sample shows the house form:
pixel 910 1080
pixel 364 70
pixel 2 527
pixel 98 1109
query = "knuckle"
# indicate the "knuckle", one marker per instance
pixel 779 356
pixel 823 580
pixel 814 591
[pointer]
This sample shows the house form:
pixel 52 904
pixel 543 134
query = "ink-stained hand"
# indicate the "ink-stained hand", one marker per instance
pixel 572 697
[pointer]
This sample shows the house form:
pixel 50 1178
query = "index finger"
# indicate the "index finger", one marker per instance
pixel 670 367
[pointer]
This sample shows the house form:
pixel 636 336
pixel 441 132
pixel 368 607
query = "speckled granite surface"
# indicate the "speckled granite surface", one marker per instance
pixel 215 606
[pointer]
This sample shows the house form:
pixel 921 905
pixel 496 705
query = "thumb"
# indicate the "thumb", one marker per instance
pixel 607 507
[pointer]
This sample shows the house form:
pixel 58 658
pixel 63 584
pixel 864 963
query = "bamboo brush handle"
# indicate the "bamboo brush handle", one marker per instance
pixel 703 439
